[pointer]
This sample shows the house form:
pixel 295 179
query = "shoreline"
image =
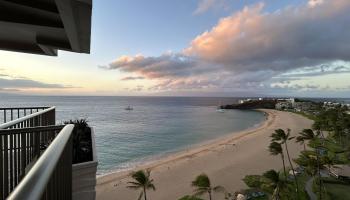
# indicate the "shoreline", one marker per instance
pixel 188 152
pixel 226 161
pixel 149 162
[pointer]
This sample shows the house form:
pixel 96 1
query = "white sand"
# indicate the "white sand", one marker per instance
pixel 226 161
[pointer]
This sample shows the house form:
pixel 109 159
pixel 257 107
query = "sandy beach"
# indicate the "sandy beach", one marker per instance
pixel 226 161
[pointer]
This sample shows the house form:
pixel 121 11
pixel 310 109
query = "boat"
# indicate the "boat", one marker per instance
pixel 220 110
pixel 129 108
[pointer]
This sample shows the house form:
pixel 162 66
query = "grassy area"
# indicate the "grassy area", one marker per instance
pixel 302 179
pixel 257 182
pixel 338 191
pixel 333 150
pixel 309 116
pixel 334 189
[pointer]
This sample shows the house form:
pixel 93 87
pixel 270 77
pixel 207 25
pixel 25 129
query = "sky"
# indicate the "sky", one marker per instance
pixel 198 48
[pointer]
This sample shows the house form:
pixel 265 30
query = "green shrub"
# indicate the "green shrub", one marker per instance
pixel 82 143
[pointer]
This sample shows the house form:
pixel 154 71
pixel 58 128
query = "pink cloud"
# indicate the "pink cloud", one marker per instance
pixel 251 46
pixel 289 38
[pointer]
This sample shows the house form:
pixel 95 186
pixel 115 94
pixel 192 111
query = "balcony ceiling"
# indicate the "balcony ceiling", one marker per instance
pixel 45 26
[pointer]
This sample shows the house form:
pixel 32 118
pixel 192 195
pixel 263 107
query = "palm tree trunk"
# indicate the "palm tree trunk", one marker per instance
pixel 322 136
pixel 276 193
pixel 284 165
pixel 304 146
pixel 209 195
pixel 144 193
pixel 319 175
pixel 320 186
pixel 291 165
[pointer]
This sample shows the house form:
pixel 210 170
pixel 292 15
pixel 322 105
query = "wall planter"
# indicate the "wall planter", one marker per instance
pixel 84 175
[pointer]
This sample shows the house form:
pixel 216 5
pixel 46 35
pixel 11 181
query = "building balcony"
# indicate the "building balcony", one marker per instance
pixel 38 157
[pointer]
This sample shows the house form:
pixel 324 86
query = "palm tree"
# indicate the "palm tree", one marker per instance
pixel 276 183
pixel 306 135
pixel 301 140
pixel 310 160
pixel 281 136
pixel 275 148
pixel 329 162
pixel 141 181
pixel 203 185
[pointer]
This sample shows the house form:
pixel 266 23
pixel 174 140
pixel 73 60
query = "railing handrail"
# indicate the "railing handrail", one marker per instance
pixel 34 183
pixel 19 120
pixel 27 108
pixel 31 129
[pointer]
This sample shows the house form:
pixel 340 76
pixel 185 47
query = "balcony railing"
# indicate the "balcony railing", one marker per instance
pixel 35 157
pixel 51 176
pixel 27 117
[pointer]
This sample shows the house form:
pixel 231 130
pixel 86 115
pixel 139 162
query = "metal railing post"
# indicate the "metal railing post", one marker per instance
pixel 51 176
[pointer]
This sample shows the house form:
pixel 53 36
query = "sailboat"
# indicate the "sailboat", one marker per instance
pixel 219 109
pixel 129 108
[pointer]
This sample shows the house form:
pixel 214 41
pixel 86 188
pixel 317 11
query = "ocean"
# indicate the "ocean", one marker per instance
pixel 156 127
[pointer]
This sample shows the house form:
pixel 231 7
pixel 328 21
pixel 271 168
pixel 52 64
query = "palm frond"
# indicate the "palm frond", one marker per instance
pixel 151 186
pixel 219 188
pixel 134 187
pixel 141 180
pixel 201 181
pixel 199 192
pixel 275 148
pixel 134 183
pixel 140 196
pixel 272 175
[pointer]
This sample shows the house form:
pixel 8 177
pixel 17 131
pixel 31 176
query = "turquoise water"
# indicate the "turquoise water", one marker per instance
pixel 157 126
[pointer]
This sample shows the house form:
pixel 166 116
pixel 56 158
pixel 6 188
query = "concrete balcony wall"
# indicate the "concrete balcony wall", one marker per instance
pixel 84 176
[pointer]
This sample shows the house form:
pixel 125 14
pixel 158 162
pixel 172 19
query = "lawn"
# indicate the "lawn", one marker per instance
pixel 302 179
pixel 309 116
pixel 255 181
pixel 338 191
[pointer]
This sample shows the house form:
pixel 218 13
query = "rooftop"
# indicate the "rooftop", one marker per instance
pixel 45 26
pixel 341 170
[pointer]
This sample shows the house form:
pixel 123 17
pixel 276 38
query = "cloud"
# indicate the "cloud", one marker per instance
pixel 252 46
pixel 321 70
pixel 8 90
pixel 290 38
pixel 295 86
pixel 166 65
pixel 313 3
pixel 4 75
pixel 14 83
pixel 27 83
pixel 186 84
pixel 205 5
pixel 131 78
pixel 138 88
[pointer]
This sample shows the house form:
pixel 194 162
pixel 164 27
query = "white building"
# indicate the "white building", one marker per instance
pixel 283 105
pixel 302 106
